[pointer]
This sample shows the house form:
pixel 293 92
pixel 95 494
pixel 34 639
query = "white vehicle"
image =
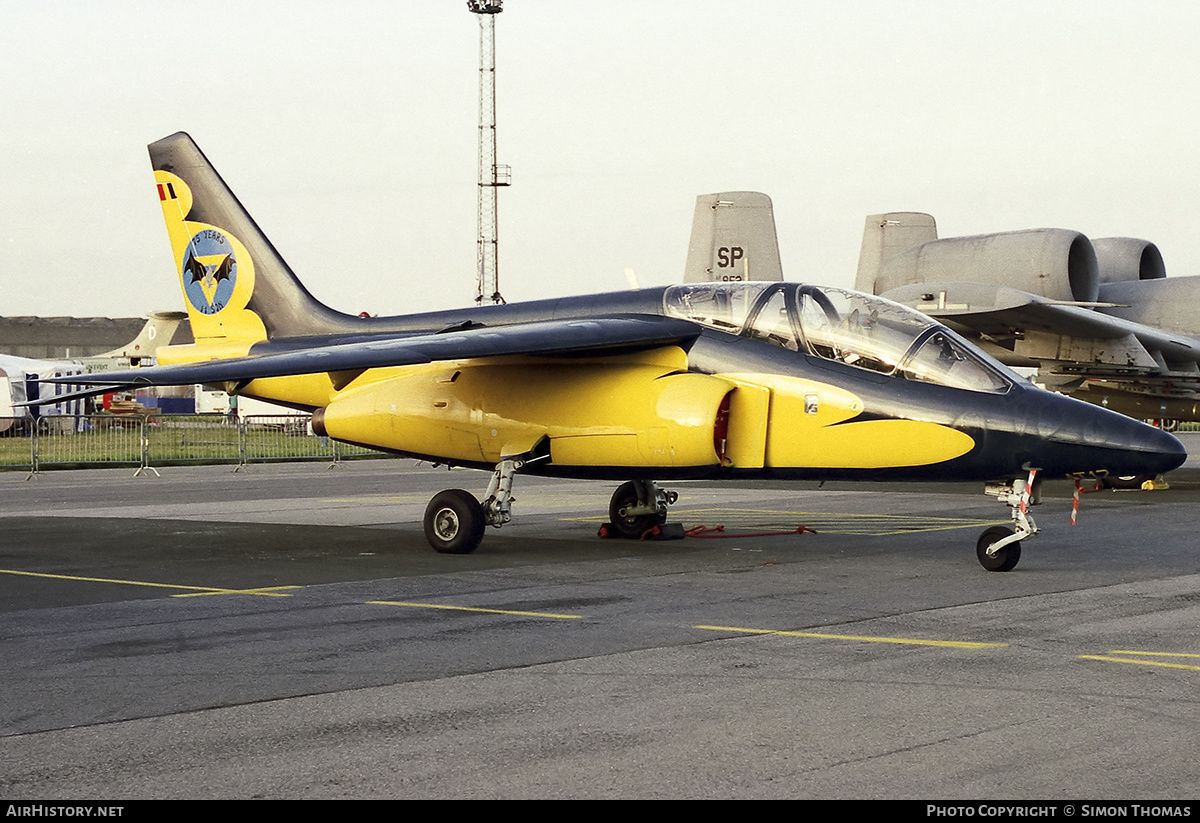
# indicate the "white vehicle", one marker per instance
pixel 18 384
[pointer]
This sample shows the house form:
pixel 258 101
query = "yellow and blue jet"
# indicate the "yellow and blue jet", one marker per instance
pixel 702 380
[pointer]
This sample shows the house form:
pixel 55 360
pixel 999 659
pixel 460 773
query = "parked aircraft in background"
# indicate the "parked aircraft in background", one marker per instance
pixel 1099 319
pixel 20 376
pixel 733 239
pixel 140 351
pixel 700 380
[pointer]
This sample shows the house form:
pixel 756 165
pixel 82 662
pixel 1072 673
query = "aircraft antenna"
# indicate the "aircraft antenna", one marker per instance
pixel 491 175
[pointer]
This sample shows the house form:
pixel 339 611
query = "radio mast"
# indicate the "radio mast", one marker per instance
pixel 491 175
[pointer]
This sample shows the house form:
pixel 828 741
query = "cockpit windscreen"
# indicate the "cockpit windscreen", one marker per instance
pixel 857 329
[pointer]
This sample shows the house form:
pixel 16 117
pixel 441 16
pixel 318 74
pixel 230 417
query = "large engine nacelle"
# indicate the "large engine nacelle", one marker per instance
pixel 903 249
pixel 605 414
pixel 1127 258
pixel 1053 263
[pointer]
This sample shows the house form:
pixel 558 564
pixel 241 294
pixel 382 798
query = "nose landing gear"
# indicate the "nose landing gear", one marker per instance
pixel 996 557
pixel 999 547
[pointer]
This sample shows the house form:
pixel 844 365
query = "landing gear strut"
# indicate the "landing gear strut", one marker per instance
pixel 455 520
pixel 999 548
pixel 638 506
pixel 497 506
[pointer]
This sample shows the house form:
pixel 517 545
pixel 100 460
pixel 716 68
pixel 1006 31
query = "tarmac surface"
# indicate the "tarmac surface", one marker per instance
pixel 285 631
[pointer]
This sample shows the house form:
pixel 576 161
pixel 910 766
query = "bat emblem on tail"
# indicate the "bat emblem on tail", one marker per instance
pixel 209 271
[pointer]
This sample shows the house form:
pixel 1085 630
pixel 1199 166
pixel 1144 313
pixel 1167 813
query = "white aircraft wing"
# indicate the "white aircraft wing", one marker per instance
pixel 1038 328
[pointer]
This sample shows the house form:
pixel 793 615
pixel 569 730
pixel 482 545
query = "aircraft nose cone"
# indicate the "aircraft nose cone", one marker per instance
pixel 1153 451
pixel 1093 439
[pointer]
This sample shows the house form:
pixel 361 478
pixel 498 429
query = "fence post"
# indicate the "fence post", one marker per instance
pixel 33 449
pixel 242 446
pixel 145 461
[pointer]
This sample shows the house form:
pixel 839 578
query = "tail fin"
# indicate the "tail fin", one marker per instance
pixel 887 235
pixel 733 238
pixel 158 331
pixel 237 287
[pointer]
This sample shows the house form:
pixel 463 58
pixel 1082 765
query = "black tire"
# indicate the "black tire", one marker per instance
pixel 633 527
pixel 1129 481
pixel 454 522
pixel 1005 559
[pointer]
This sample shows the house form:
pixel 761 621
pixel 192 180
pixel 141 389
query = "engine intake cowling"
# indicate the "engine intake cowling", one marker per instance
pixel 1057 264
pixel 1127 258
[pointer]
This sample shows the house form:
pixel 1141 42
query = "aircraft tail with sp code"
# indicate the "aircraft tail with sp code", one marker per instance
pixel 733 239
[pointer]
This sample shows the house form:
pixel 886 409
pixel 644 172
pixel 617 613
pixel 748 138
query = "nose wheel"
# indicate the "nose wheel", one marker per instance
pixel 999 547
pixel 1002 560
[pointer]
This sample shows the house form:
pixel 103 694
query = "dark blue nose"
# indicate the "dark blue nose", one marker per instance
pixel 1156 451
pixel 1078 437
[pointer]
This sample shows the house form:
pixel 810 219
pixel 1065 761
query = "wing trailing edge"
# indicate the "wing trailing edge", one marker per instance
pixel 580 338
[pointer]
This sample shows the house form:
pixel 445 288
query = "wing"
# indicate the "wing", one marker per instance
pixel 1076 336
pixel 591 337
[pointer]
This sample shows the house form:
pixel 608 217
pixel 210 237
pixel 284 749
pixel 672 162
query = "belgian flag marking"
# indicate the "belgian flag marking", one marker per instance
pixel 166 191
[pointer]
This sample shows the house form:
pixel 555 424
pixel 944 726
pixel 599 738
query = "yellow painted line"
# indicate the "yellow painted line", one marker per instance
pixel 1140 662
pixel 1153 654
pixel 268 591
pixel 201 589
pixel 904 641
pixel 471 609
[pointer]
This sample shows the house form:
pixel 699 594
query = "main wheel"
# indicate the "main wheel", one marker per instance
pixel 1003 560
pixel 454 522
pixel 631 526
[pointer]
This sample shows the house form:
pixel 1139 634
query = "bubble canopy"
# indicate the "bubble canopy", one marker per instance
pixel 850 327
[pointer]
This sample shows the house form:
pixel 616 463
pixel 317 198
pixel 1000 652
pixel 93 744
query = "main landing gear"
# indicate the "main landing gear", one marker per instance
pixel 638 506
pixel 455 520
pixel 999 547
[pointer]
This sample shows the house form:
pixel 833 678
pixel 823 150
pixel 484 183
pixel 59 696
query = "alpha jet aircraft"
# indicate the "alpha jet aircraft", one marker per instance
pixel 701 380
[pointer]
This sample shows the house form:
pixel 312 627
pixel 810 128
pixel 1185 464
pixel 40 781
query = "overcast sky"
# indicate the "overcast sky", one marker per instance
pixel 348 130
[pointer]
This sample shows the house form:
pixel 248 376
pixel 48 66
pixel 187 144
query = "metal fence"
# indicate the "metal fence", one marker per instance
pixel 69 441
